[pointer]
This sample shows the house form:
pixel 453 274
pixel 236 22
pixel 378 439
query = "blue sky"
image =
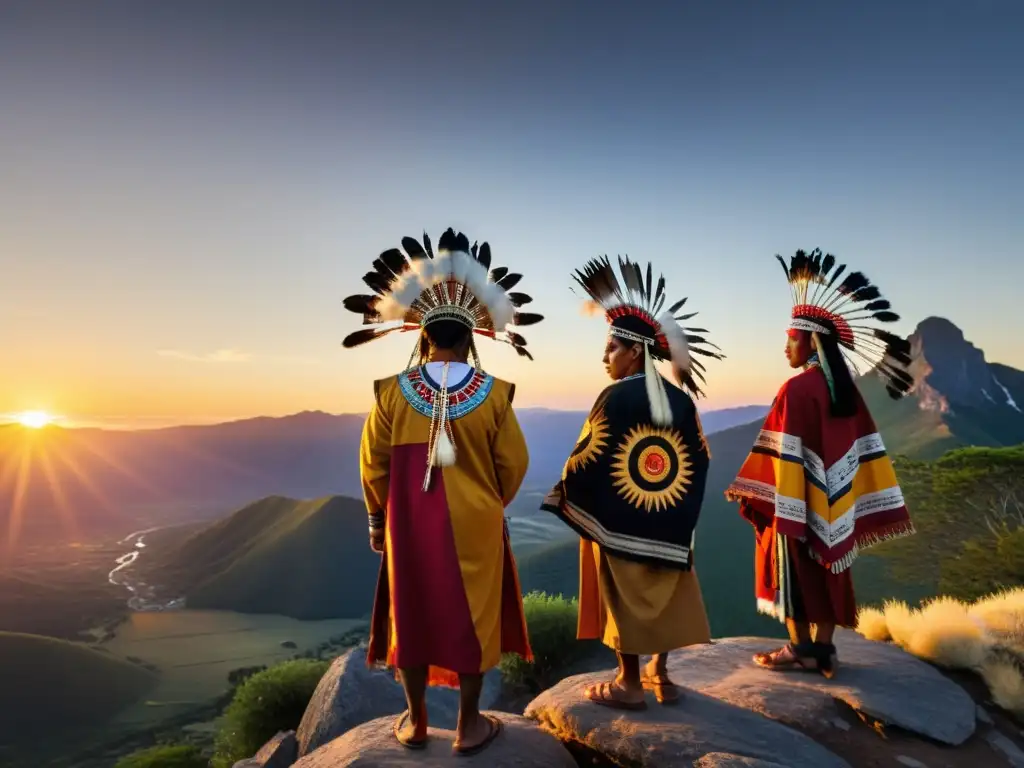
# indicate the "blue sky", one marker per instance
pixel 190 189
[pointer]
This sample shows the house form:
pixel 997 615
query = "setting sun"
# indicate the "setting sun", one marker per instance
pixel 35 419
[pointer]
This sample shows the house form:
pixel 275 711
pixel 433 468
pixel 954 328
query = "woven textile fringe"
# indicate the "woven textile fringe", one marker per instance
pixel 865 540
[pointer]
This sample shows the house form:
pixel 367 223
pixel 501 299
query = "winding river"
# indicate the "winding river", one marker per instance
pixel 143 597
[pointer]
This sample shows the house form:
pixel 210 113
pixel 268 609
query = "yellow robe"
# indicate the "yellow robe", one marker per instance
pixel 448 596
pixel 636 608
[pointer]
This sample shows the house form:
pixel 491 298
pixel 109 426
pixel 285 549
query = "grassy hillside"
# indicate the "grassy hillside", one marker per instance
pixel 304 559
pixel 967 507
pixel 53 686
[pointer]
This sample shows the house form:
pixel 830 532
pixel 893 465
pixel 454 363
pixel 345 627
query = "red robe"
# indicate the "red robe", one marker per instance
pixel 817 488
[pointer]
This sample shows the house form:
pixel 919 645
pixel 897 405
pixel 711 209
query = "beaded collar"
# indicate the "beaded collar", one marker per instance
pixel 419 390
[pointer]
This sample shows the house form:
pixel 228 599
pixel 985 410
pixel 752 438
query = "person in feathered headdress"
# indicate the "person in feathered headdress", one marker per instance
pixel 442 455
pixel 818 485
pixel 633 486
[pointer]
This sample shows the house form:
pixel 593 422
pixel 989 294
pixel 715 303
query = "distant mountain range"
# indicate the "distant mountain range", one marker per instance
pixel 310 559
pixel 80 484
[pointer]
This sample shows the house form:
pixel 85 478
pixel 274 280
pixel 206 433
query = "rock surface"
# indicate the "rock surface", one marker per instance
pixel 521 745
pixel 1013 754
pixel 696 728
pixel 280 752
pixel 722 760
pixel 351 694
pixel 879 679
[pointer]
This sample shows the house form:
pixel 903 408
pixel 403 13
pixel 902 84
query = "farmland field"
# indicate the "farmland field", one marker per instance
pixel 195 650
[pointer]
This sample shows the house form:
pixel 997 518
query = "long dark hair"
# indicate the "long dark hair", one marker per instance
pixel 843 390
pixel 444 334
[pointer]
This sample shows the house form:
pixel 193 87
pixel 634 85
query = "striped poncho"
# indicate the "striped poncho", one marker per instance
pixel 828 481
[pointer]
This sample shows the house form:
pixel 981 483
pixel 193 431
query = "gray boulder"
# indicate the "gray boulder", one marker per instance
pixel 698 727
pixel 520 745
pixel 351 694
pixel 280 752
pixel 879 679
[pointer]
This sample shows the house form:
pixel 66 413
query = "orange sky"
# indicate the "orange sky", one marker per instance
pixel 144 390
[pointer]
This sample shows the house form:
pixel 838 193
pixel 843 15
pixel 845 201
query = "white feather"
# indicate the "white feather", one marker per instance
pixel 678 346
pixel 499 306
pixel 424 274
pixel 661 411
pixel 444 451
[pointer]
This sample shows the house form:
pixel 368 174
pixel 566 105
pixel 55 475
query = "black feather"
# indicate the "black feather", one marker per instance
pixel 704 352
pixel 361 304
pixel 461 243
pixel 518 299
pixel 473 251
pixel 448 241
pixel 659 295
pixel 413 248
pixel 827 263
pixel 484 255
pixel 874 306
pixel 376 283
pixel 867 293
pixel 384 271
pixel 365 335
pixel 886 317
pixel 394 260
pixel 516 339
pixel 510 280
pixel 853 283
pixel 426 245
pixel 650 284
pixel 497 273
pixel 527 318
pixel 523 352
pixel 675 307
pixel 785 268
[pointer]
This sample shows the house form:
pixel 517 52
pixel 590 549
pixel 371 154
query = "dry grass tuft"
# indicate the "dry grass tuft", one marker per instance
pixel 1005 683
pixel 945 634
pixel 899 619
pixel 872 624
pixel 986 637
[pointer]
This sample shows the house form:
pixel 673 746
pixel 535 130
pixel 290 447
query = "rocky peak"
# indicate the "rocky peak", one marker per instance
pixel 949 370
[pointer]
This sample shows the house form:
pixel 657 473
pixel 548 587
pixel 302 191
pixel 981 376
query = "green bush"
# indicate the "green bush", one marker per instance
pixel 165 756
pixel 551 621
pixel 270 701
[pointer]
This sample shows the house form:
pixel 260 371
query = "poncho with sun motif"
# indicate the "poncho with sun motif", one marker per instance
pixel 631 486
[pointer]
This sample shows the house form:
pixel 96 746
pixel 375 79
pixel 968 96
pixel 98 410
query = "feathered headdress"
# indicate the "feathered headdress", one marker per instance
pixel 634 310
pixel 840 311
pixel 414 288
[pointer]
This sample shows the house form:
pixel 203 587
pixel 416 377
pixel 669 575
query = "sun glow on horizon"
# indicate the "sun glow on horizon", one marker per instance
pixel 34 419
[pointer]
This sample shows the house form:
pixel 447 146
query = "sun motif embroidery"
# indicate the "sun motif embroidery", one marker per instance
pixel 651 469
pixel 592 441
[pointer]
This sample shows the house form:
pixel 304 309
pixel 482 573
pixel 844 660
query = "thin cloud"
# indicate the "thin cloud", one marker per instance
pixel 218 356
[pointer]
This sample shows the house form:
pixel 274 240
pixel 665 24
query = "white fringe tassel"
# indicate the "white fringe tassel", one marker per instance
pixel 441 449
pixel 661 411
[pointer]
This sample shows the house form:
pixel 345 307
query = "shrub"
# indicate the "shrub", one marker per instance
pixel 165 756
pixel 267 702
pixel 551 621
